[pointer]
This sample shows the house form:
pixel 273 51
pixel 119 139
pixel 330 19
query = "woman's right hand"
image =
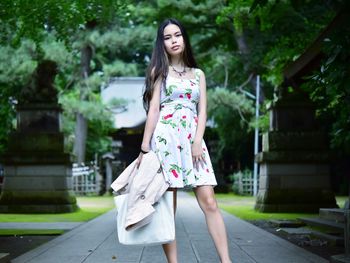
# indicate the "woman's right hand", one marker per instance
pixel 139 159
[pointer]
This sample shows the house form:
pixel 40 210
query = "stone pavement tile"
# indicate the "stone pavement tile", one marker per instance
pixel 75 245
pixel 37 225
pixel 196 230
pixel 96 242
pixel 153 254
pixel 111 251
pixel 264 247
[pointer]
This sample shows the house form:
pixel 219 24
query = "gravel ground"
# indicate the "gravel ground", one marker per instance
pixel 314 245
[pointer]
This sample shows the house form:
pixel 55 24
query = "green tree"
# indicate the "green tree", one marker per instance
pixel 47 29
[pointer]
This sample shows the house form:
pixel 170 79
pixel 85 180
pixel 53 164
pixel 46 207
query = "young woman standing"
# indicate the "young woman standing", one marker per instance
pixel 175 101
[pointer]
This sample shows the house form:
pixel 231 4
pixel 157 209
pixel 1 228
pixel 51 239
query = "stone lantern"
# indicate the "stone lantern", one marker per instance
pixel 37 171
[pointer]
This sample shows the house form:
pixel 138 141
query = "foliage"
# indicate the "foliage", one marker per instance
pixel 26 40
pixel 99 125
pixel 231 112
pixel 16 68
pixel 233 41
pixel 31 19
pixel 329 88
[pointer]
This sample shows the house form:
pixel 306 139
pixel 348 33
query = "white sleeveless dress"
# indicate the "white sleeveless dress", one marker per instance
pixel 175 131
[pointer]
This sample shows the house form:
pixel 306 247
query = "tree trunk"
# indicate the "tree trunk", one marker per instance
pixel 244 51
pixel 80 138
pixel 81 125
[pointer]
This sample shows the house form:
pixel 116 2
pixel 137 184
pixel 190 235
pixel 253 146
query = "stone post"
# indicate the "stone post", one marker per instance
pixel 37 172
pixel 294 162
pixel 108 157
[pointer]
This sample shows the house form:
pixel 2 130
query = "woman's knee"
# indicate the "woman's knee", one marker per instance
pixel 210 205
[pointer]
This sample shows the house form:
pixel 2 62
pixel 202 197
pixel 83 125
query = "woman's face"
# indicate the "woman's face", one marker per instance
pixel 173 40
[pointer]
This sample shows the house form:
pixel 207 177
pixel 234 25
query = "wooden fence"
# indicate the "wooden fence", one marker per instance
pixel 245 185
pixel 86 180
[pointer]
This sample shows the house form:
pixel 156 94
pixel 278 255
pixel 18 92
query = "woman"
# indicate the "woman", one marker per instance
pixel 175 101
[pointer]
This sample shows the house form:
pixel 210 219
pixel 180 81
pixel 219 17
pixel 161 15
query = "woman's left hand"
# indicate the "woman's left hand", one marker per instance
pixel 197 154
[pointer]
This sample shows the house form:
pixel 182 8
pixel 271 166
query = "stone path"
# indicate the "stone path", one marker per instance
pixel 96 242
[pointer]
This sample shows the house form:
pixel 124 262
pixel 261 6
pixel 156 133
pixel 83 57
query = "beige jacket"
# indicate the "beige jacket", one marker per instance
pixel 144 186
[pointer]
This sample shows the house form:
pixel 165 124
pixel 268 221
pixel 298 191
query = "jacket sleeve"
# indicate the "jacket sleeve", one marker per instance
pixel 144 189
pixel 121 185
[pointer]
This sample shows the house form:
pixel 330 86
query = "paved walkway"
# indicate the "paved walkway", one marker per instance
pixel 96 242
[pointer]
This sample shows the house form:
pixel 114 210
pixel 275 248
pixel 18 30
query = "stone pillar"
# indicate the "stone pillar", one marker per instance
pixel 108 157
pixel 37 172
pixel 294 162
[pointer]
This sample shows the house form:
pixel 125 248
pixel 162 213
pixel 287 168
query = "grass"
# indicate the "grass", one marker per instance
pixel 341 200
pixel 243 207
pixel 89 208
pixel 31 232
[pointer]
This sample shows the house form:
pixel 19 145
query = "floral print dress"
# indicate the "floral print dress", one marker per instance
pixel 175 131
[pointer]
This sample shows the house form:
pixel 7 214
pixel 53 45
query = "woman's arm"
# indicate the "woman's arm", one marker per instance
pixel 197 150
pixel 151 121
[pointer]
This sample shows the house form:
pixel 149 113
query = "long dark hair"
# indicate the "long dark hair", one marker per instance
pixel 158 68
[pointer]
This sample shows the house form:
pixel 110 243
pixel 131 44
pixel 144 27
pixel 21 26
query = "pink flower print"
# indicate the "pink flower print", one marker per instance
pixel 189 136
pixel 162 106
pixel 181 96
pixel 207 170
pixel 174 173
pixel 184 117
pixel 167 116
pixel 188 95
pixel 204 149
pixel 196 119
pixel 178 129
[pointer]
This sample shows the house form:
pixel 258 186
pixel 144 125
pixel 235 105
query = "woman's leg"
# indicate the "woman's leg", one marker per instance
pixel 170 249
pixel 216 226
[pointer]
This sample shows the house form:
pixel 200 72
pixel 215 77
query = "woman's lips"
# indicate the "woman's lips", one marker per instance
pixel 175 47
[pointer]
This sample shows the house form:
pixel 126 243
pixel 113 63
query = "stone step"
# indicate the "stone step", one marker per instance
pixel 319 222
pixel 342 258
pixel 286 223
pixel 332 214
pixel 333 240
pixel 4 257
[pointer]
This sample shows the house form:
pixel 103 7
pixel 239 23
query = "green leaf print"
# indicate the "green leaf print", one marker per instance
pixel 188 91
pixel 178 107
pixel 166 153
pixel 169 90
pixel 185 180
pixel 173 125
pixel 189 172
pixel 183 123
pixel 167 100
pixel 161 139
pixel 175 167
pixel 165 121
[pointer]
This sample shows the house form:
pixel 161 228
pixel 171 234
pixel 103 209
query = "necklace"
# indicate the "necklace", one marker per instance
pixel 180 73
